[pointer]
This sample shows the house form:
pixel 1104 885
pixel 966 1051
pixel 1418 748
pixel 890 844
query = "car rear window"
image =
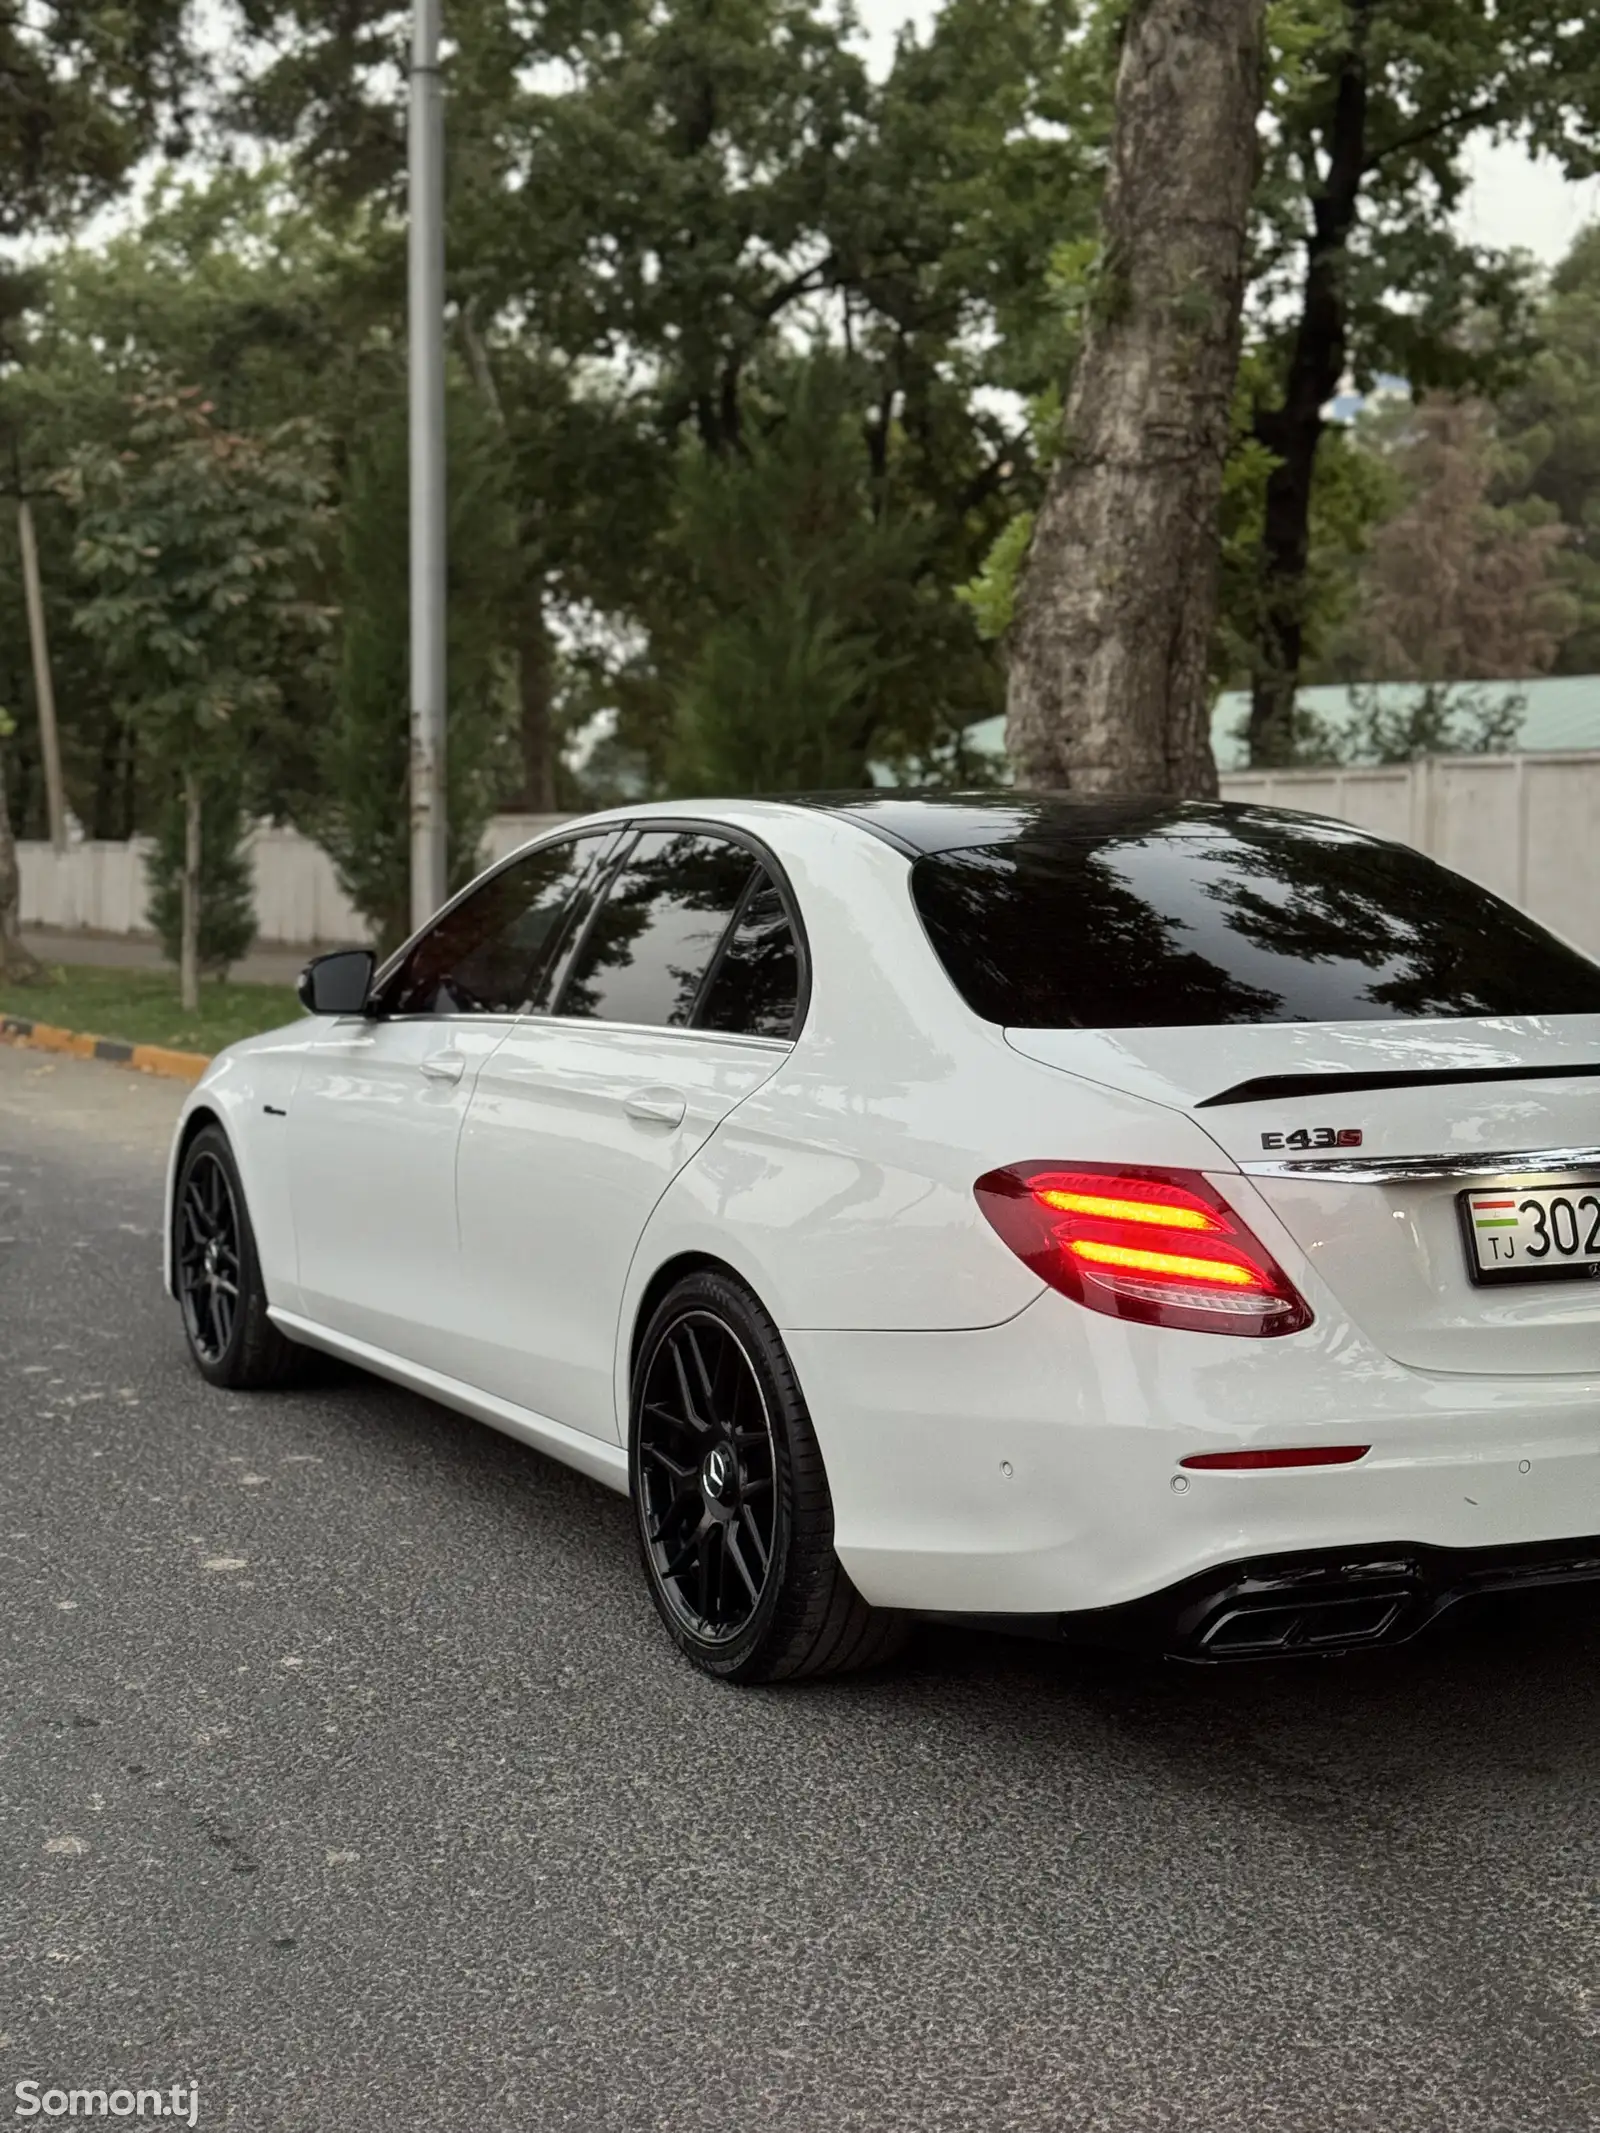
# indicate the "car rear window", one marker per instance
pixel 1229 915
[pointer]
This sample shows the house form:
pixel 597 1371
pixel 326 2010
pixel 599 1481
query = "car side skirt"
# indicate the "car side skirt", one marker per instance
pixel 602 1462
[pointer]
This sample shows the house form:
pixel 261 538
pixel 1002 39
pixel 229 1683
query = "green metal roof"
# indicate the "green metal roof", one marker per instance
pixel 1562 713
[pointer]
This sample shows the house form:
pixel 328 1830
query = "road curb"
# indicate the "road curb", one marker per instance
pixel 145 1058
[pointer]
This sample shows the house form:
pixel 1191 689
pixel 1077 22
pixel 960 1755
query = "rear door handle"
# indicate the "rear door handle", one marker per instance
pixel 444 1066
pixel 657 1107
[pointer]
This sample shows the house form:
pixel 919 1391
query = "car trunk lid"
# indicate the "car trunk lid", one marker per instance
pixel 1362 1138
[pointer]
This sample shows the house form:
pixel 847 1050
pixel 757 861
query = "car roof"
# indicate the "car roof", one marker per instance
pixel 921 823
pixel 917 824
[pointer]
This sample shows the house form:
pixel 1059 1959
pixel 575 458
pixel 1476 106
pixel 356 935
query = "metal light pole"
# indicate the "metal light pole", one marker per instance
pixel 429 871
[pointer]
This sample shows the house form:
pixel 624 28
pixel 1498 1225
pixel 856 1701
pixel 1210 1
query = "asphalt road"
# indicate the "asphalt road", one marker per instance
pixel 347 1774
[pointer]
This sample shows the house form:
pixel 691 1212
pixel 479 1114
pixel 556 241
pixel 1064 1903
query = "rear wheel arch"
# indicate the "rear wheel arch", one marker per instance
pixel 807 1619
pixel 665 1278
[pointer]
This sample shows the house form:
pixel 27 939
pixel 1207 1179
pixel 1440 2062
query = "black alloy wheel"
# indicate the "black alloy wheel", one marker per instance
pixel 217 1275
pixel 208 1257
pixel 734 1516
pixel 707 1477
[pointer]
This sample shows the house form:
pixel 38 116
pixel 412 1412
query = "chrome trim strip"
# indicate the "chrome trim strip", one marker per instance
pixel 1433 1169
pixel 593 1026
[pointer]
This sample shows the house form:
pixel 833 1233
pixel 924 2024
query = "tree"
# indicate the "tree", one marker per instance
pixel 720 188
pixel 1377 101
pixel 233 286
pixel 1549 430
pixel 798 601
pixel 1110 652
pixel 87 89
pixel 17 965
pixel 199 544
pixel 225 896
pixel 1456 589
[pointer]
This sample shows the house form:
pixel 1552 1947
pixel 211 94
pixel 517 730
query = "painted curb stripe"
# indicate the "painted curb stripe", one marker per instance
pixel 78 1044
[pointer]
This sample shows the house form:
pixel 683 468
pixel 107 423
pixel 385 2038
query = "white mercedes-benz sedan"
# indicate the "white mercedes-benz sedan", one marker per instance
pixel 1158 1223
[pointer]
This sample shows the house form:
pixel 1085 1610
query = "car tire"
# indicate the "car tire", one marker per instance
pixel 217 1275
pixel 731 1500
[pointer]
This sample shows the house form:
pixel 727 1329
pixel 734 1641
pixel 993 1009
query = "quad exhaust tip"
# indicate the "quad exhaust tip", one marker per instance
pixel 1313 1625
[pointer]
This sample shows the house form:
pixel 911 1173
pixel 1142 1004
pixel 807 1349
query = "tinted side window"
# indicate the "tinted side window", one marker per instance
pixel 653 938
pixel 1195 921
pixel 756 990
pixel 492 954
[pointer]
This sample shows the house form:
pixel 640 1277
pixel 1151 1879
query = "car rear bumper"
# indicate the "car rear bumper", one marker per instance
pixel 1326 1601
pixel 1035 1470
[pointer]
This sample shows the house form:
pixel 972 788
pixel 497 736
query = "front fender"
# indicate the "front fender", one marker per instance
pixel 249 1091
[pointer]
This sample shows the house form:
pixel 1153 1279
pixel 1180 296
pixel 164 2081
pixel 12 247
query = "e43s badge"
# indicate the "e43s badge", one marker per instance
pixel 1315 1137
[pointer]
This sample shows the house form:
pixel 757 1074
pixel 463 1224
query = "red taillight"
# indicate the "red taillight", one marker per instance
pixel 1161 1246
pixel 1259 1462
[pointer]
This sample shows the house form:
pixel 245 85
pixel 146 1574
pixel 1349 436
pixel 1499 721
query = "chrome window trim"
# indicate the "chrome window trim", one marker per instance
pixel 1525 1164
pixel 595 1025
pixel 487 1020
pixel 592 1024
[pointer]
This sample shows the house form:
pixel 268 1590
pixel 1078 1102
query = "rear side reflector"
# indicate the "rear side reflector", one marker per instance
pixel 1159 1246
pixel 1255 1462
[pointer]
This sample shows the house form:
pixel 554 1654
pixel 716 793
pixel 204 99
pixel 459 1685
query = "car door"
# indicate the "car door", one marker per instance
pixel 377 1112
pixel 680 998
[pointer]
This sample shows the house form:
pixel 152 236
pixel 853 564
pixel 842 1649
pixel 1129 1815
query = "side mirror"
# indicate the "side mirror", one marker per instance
pixel 337 984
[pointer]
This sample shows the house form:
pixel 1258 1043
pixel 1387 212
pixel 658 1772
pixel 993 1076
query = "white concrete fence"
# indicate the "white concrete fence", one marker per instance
pixel 102 887
pixel 1527 826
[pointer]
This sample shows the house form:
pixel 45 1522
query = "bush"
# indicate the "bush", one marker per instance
pixel 227 884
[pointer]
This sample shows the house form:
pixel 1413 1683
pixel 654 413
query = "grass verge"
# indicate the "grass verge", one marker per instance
pixel 142 1007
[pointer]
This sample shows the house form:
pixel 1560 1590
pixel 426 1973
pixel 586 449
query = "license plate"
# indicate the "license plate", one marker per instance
pixel 1533 1232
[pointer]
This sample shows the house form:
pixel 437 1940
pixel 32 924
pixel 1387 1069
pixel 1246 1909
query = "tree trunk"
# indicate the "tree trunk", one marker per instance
pixel 43 680
pixel 1109 681
pixel 1292 433
pixel 17 966
pixel 189 947
pixel 537 683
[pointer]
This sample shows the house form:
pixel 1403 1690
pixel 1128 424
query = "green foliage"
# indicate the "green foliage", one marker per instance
pixel 88 90
pixel 1398 724
pixel 800 601
pixel 1455 587
pixel 199 546
pixel 1549 433
pixel 743 252
pixel 1361 265
pixel 1420 300
pixel 992 594
pixel 275 313
pixel 85 89
pixel 227 888
pixel 718 189
pixel 363 816
pixel 1355 490
pixel 1437 719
